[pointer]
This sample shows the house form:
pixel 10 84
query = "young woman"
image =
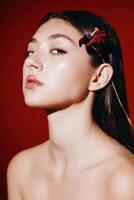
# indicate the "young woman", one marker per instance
pixel 73 69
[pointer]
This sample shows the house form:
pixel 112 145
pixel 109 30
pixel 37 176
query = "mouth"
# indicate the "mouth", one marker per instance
pixel 32 82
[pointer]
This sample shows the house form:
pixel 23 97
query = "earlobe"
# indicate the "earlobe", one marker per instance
pixel 101 77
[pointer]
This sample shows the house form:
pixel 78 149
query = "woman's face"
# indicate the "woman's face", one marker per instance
pixel 59 63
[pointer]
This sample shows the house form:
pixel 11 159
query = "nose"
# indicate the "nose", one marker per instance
pixel 33 65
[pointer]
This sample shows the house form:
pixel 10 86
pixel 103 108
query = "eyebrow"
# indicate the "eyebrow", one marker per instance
pixel 59 35
pixel 54 36
pixel 32 40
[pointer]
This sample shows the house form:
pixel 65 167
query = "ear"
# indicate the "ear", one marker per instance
pixel 101 76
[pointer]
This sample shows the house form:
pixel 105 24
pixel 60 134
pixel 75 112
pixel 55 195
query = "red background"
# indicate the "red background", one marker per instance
pixel 21 126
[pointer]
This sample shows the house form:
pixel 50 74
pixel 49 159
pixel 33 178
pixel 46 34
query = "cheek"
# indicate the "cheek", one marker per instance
pixel 69 80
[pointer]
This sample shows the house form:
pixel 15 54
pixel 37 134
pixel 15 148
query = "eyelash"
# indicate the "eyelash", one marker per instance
pixel 26 53
pixel 60 52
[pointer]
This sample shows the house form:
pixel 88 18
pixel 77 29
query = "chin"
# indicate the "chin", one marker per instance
pixel 32 104
pixel 32 101
pixel 46 104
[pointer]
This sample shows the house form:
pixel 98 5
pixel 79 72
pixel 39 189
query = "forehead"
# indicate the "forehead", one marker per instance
pixel 56 25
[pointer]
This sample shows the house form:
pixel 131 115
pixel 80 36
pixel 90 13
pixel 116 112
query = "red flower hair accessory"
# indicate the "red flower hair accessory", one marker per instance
pixel 96 38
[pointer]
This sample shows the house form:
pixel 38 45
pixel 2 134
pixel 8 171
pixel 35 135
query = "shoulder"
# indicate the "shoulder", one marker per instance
pixel 16 173
pixel 20 169
pixel 19 162
pixel 121 181
pixel 22 161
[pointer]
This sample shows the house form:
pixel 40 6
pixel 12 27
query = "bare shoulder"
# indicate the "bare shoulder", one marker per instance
pixel 19 170
pixel 121 181
pixel 24 159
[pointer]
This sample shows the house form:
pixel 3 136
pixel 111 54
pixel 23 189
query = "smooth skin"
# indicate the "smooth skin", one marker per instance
pixel 79 161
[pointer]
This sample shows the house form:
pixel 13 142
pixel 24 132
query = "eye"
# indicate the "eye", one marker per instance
pixel 28 53
pixel 57 51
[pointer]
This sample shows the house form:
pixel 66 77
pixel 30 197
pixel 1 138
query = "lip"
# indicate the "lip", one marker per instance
pixel 32 82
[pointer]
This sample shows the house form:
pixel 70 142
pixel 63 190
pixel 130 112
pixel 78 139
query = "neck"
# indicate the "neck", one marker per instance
pixel 72 135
